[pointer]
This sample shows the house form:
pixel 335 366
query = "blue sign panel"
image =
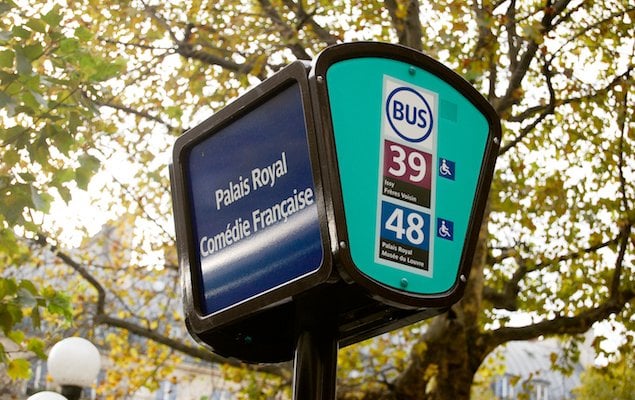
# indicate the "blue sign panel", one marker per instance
pixel 254 210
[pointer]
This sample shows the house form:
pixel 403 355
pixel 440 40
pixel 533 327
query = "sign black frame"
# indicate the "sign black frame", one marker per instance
pixel 337 301
pixel 198 321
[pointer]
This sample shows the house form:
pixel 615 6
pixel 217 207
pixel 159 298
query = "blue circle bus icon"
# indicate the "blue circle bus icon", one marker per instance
pixel 409 114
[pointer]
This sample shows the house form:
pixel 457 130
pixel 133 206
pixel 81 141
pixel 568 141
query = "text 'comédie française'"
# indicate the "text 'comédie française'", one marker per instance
pixel 260 219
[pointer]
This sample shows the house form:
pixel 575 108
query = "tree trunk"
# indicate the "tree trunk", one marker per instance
pixel 444 361
pixel 440 364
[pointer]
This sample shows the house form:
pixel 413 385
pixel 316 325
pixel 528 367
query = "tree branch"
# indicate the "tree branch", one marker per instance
pixel 486 45
pixel 289 34
pixel 130 110
pixel 136 45
pixel 548 110
pixel 508 297
pixel 153 14
pixel 409 31
pixel 518 74
pixel 617 272
pixel 42 241
pixel 531 111
pixel 582 322
pixel 586 29
pixel 512 36
pixel 144 211
pixel 305 18
pixel 577 324
pixel 539 109
pixel 187 50
pixel 102 317
pixel 621 122
pixel 524 132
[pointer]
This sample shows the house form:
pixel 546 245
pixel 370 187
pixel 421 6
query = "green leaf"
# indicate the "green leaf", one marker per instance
pixel 18 31
pixel 30 101
pixel 25 298
pixel 6 58
pixel 22 62
pixel 15 201
pixel 53 17
pixel 68 46
pixel 9 135
pixel 10 314
pixel 19 369
pixel 6 6
pixel 37 25
pixel 105 70
pixel 8 287
pixel 33 51
pixel 58 303
pixel 41 201
pixel 6 100
pixel 27 176
pixel 83 34
pixel 36 319
pixel 63 175
pixel 88 65
pixel 3 354
pixel 28 285
pixel 36 346
pixel 63 139
pixel 88 166
pixel 64 192
pixel 174 111
pixel 39 151
pixel 6 322
pixel 16 336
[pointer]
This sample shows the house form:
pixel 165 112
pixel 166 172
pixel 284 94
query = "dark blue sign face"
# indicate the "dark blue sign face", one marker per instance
pixel 254 206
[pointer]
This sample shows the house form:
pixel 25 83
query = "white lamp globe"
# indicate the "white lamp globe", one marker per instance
pixel 74 361
pixel 47 396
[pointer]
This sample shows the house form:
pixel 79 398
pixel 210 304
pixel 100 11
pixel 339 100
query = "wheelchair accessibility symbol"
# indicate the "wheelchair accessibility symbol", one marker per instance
pixel 445 229
pixel 447 168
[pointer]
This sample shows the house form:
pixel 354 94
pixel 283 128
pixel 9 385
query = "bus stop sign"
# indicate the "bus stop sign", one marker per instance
pixel 413 148
pixel 341 197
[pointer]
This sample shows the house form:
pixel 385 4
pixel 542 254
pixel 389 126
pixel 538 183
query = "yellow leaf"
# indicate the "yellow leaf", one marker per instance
pixel 19 369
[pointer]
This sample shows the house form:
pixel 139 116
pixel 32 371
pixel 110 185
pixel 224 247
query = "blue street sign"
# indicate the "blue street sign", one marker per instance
pixel 245 182
pixel 251 187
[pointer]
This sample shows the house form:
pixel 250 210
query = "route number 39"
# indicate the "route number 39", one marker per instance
pixel 406 163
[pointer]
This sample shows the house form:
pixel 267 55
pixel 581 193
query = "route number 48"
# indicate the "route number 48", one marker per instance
pixel 408 223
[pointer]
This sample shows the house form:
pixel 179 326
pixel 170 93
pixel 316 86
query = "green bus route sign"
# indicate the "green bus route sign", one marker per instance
pixel 399 152
pixel 414 148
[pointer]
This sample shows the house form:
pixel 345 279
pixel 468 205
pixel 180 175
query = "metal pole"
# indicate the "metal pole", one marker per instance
pixel 315 366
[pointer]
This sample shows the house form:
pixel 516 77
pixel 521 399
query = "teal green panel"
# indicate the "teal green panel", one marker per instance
pixel 358 89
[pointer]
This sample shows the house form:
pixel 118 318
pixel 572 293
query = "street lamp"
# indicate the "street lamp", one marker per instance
pixel 46 395
pixel 73 363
